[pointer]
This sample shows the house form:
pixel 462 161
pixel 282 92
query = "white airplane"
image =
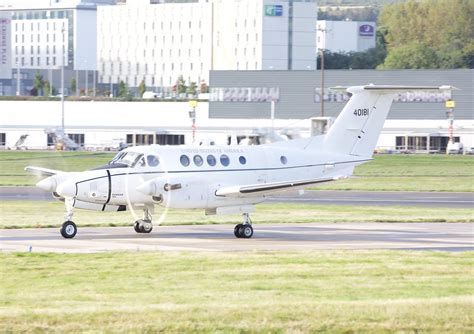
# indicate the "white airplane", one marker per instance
pixel 227 179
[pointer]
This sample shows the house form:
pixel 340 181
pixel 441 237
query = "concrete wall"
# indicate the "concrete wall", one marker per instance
pixel 298 98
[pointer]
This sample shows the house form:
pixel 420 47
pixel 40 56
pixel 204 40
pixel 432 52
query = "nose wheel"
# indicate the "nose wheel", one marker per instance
pixel 68 230
pixel 144 225
pixel 244 230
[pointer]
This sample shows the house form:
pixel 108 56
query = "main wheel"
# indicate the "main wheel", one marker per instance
pixel 145 226
pixel 236 230
pixel 136 226
pixel 68 229
pixel 246 231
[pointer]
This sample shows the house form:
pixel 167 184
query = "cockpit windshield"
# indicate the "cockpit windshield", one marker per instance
pixel 130 159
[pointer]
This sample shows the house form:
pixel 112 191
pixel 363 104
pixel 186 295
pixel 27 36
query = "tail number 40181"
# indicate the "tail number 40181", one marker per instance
pixel 361 112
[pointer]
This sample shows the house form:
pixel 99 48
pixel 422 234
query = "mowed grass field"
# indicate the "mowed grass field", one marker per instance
pixel 23 214
pixel 253 292
pixel 385 172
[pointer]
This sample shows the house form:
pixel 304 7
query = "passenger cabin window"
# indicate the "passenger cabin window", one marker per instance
pixel 184 160
pixel 225 160
pixel 283 160
pixel 152 160
pixel 242 160
pixel 211 160
pixel 198 160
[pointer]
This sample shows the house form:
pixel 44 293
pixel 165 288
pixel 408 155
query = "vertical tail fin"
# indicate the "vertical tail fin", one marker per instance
pixel 357 128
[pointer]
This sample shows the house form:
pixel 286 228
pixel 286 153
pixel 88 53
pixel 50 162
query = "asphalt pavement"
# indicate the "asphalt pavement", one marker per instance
pixel 267 237
pixel 366 198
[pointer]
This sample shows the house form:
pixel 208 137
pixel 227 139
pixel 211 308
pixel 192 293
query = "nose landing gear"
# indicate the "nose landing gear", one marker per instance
pixel 68 228
pixel 144 225
pixel 244 230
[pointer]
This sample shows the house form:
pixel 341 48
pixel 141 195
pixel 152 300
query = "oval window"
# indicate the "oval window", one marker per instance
pixel 225 160
pixel 198 160
pixel 242 160
pixel 211 160
pixel 184 160
pixel 152 160
pixel 283 160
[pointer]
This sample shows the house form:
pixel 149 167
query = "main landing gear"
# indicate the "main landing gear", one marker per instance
pixel 244 230
pixel 68 229
pixel 144 225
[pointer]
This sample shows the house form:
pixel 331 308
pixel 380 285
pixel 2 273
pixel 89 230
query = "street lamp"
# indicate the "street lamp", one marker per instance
pixel 192 117
pixel 321 49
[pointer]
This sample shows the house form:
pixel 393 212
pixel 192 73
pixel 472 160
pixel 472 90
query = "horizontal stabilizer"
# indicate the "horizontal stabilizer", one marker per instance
pixel 269 188
pixel 392 89
pixel 42 171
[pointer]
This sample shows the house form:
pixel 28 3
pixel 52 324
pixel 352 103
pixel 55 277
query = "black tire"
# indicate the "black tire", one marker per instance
pixel 145 226
pixel 246 231
pixel 136 226
pixel 68 230
pixel 236 230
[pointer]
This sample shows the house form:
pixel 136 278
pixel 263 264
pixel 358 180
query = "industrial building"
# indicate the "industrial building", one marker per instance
pixel 345 36
pixel 157 41
pixel 416 123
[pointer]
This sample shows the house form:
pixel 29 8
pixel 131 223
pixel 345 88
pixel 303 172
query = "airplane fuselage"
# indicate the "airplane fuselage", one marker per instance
pixel 190 176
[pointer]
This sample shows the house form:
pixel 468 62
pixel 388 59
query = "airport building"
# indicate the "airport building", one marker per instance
pixel 157 41
pixel 46 34
pixel 240 107
pixel 345 36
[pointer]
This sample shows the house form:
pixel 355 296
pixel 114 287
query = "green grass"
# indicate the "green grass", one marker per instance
pixel 22 214
pixel 386 172
pixel 252 292
pixel 12 164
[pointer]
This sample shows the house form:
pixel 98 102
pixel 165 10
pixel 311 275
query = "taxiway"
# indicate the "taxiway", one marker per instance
pixel 267 237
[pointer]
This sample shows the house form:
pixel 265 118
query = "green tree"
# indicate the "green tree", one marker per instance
pixel 446 27
pixel 181 85
pixel 413 55
pixel 122 89
pixel 142 88
pixel 38 83
pixel 192 88
pixel 73 86
pixel 47 88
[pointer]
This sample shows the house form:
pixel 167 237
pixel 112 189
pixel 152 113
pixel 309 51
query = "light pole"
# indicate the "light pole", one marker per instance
pixel 450 104
pixel 192 116
pixel 62 84
pixel 321 49
pixel 18 76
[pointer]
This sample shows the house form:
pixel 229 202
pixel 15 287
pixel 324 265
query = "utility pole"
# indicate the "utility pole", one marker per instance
pixel 62 85
pixel 321 49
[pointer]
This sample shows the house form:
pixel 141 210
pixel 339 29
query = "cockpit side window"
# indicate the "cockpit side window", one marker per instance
pixel 140 162
pixel 153 160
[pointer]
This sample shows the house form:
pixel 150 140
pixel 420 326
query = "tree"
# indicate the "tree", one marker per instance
pixel 142 88
pixel 122 89
pixel 73 86
pixel 38 83
pixel 181 85
pixel 192 88
pixel 204 88
pixel 413 55
pixel 446 27
pixel 47 88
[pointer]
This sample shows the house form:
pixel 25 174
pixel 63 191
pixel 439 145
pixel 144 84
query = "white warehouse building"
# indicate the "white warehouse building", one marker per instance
pixel 157 41
pixel 345 36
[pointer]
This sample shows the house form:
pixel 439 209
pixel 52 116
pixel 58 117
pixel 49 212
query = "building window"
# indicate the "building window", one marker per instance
pixel 3 138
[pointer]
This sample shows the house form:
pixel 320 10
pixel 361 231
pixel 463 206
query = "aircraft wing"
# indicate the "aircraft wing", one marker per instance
pixel 262 189
pixel 42 171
